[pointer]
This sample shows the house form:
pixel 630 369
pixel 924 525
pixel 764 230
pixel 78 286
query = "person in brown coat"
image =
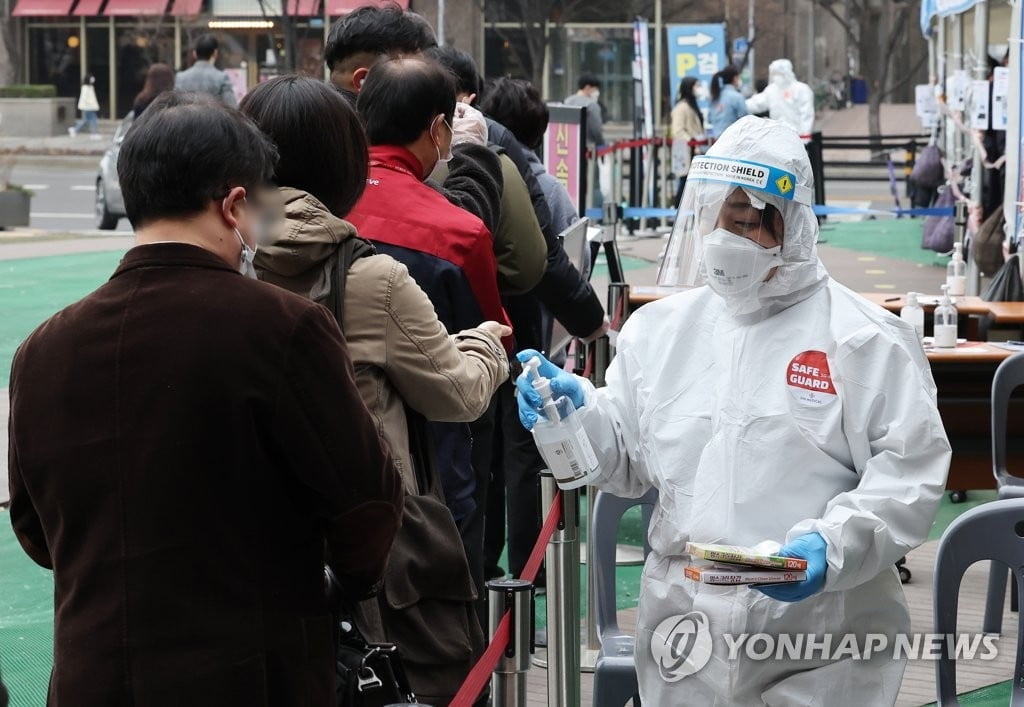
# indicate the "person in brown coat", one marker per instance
pixel 188 447
pixel 408 369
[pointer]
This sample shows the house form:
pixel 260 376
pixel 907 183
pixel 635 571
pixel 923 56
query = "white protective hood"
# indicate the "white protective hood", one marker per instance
pixel 758 142
pixel 780 72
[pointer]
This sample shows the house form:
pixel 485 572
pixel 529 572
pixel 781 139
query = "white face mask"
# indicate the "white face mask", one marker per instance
pixel 443 160
pixel 700 93
pixel 595 94
pixel 246 266
pixel 735 265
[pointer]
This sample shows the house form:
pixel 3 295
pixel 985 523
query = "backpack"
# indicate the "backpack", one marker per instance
pixel 938 231
pixel 987 244
pixel 928 172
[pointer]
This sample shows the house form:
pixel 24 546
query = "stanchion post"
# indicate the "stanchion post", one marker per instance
pixel 960 223
pixel 563 598
pixel 508 682
pixel 816 152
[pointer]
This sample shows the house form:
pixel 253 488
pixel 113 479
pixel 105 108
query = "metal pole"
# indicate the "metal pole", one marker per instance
pixel 83 50
pixel 327 34
pixel 177 43
pixel 563 563
pixel 942 63
pixel 958 65
pixel 440 23
pixel 977 182
pixel 658 61
pixel 112 48
pixel 751 33
pixel 508 683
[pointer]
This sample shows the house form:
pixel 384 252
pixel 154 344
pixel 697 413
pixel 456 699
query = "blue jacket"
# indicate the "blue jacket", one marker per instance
pixel 729 108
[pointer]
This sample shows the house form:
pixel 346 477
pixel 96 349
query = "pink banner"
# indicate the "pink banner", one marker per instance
pixel 562 153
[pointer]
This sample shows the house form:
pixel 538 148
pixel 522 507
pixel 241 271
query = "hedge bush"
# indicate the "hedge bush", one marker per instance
pixel 28 91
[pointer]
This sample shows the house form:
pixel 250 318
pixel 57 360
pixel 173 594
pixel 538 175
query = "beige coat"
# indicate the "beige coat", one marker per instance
pixel 686 126
pixel 401 352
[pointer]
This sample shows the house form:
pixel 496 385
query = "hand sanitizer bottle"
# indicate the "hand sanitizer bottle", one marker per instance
pixel 956 272
pixel 560 437
pixel 945 322
pixel 913 315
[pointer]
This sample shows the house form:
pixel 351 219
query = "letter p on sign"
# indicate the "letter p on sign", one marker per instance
pixel 685 62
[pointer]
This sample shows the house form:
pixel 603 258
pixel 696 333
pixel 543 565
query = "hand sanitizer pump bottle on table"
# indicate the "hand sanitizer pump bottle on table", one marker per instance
pixel 956 272
pixel 560 437
pixel 945 322
pixel 913 315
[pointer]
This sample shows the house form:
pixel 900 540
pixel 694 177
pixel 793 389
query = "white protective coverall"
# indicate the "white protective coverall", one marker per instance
pixel 785 98
pixel 703 403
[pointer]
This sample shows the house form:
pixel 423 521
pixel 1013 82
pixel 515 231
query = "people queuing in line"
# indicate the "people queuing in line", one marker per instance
pixel 408 368
pixel 189 446
pixel 508 455
pixel 350 410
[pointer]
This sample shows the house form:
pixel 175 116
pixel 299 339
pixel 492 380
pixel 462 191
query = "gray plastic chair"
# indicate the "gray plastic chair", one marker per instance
pixel 615 681
pixel 1008 377
pixel 993 531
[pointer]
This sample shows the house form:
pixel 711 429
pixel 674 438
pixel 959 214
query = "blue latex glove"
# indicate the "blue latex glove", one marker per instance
pixel 810 547
pixel 562 383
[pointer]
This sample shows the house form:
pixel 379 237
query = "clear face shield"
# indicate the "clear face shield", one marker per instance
pixel 729 229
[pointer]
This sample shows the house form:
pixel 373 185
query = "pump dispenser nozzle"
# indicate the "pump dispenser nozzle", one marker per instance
pixel 543 387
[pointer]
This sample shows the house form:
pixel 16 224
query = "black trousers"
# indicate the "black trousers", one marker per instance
pixel 473 526
pixel 515 474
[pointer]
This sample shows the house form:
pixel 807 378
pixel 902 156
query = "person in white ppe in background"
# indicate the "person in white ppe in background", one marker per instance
pixel 785 99
pixel 774 404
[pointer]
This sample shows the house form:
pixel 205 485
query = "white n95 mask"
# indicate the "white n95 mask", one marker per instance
pixel 735 265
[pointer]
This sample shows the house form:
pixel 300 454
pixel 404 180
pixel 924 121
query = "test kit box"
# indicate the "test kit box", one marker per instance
pixel 738 555
pixel 717 574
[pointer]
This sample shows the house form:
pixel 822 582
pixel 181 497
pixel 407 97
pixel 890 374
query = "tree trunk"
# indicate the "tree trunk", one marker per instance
pixel 8 58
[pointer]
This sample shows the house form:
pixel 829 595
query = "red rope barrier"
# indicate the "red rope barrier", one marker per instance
pixel 481 672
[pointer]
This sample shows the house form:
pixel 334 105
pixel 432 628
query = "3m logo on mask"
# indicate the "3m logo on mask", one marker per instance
pixel 681 645
pixel 809 379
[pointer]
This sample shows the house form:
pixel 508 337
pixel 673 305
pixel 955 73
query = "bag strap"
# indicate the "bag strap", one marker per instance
pixel 421 443
pixel 348 252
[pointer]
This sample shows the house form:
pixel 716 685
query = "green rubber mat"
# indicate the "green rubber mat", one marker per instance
pixel 26 622
pixel 890 237
pixel 600 268
pixel 32 289
pixel 997 695
pixel 949 511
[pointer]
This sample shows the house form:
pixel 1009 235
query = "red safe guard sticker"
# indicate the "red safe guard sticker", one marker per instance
pixel 809 379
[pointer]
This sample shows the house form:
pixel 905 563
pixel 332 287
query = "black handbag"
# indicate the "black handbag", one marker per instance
pixel 1006 286
pixel 368 674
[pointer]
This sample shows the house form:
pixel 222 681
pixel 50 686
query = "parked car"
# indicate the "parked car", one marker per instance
pixel 109 201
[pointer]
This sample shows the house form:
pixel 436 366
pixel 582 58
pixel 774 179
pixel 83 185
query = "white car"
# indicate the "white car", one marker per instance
pixel 109 201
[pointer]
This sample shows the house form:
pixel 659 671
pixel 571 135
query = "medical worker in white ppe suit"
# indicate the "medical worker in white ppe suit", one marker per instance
pixel 774 404
pixel 785 99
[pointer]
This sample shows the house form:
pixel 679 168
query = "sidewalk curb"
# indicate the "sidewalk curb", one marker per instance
pixel 54 151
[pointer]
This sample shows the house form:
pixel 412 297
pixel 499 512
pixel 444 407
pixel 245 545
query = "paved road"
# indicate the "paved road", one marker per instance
pixel 65 190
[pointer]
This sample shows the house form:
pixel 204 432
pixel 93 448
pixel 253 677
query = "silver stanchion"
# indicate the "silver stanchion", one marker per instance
pixel 508 682
pixel 563 598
